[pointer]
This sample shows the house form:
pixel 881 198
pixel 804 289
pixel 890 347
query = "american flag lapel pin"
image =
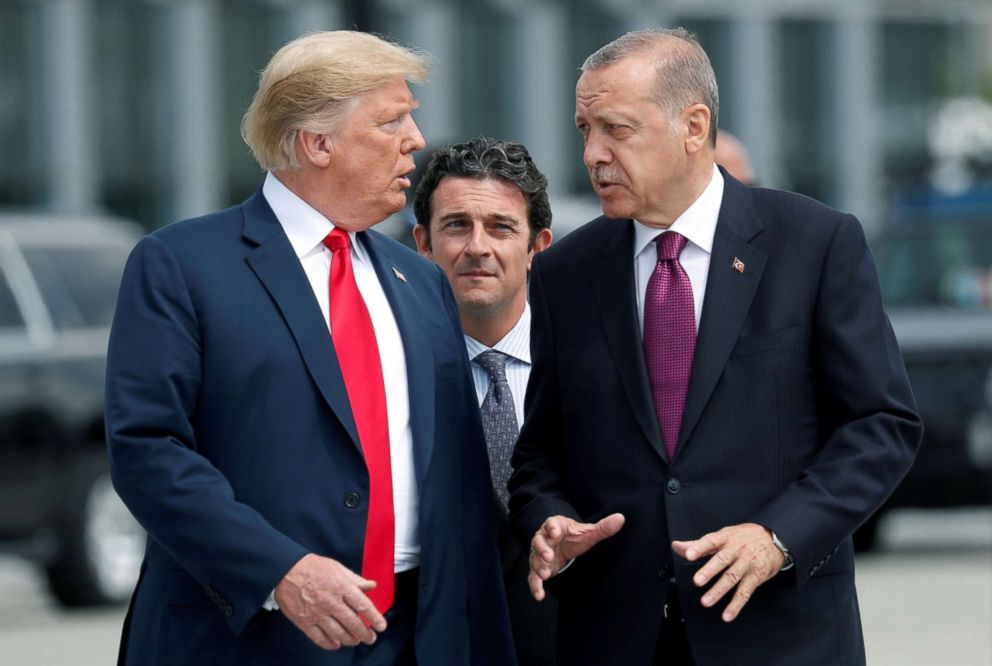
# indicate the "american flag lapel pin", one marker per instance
pixel 738 265
pixel 399 276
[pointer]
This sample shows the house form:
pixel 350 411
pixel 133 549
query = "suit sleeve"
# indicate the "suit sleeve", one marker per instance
pixel 865 405
pixel 179 497
pixel 537 484
pixel 490 641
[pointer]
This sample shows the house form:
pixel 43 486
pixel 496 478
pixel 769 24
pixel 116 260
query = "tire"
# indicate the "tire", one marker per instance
pixel 100 543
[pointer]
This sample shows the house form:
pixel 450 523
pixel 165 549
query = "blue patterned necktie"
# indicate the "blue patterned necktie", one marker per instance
pixel 499 420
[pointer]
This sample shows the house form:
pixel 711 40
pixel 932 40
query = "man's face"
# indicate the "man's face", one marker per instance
pixel 480 237
pixel 373 155
pixel 634 156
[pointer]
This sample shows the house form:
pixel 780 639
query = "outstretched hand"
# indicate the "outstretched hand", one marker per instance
pixel 746 556
pixel 562 539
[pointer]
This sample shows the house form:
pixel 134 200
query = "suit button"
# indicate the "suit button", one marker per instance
pixel 673 486
pixel 663 571
pixel 351 500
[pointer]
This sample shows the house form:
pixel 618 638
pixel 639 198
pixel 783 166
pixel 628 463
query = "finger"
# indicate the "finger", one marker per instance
pixel 553 530
pixel 728 581
pixel 365 609
pixel 364 584
pixel 353 621
pixel 336 631
pixel 317 635
pixel 720 561
pixel 607 527
pixel 743 595
pixel 704 545
pixel 536 585
pixel 540 547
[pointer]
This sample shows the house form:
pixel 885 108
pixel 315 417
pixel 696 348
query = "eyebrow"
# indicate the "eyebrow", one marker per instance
pixel 458 214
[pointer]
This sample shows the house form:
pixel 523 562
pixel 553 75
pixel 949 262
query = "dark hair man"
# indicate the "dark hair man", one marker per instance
pixel 482 213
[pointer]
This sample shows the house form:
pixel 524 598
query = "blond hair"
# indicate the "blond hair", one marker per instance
pixel 312 84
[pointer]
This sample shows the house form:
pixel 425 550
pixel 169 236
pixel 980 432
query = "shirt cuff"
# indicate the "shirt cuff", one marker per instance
pixel 270 603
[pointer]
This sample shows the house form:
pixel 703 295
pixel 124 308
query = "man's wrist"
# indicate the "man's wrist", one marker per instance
pixel 789 560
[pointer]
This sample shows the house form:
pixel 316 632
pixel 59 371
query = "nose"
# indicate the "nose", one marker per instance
pixel 415 140
pixel 596 152
pixel 477 245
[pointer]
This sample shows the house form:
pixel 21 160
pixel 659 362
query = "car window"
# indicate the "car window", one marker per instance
pixel 79 284
pixel 937 265
pixel 10 314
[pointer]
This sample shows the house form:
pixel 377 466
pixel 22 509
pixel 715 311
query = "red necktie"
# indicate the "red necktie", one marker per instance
pixel 358 356
pixel 669 336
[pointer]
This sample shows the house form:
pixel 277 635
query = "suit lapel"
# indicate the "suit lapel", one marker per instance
pixel 407 310
pixel 278 268
pixel 613 284
pixel 729 293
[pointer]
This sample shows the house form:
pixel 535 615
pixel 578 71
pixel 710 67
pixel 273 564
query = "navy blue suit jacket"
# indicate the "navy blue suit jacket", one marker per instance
pixel 798 417
pixel 232 441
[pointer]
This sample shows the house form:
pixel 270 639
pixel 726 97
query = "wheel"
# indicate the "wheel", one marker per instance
pixel 100 543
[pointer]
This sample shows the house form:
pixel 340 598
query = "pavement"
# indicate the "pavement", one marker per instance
pixel 926 599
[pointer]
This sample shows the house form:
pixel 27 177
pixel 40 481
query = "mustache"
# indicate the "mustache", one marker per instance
pixel 471 265
pixel 607 174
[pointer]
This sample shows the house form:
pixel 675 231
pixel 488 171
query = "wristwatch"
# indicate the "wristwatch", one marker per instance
pixel 789 561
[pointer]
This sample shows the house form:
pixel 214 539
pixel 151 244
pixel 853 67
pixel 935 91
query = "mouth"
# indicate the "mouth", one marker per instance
pixel 604 188
pixel 476 274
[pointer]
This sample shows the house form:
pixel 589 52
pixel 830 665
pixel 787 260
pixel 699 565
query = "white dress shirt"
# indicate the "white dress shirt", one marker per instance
pixel 516 346
pixel 698 225
pixel 306 230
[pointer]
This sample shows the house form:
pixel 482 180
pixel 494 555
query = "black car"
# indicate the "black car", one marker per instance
pixel 936 275
pixel 58 286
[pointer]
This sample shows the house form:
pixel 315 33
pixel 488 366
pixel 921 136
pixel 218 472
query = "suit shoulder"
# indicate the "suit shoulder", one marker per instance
pixel 582 242
pixel 799 207
pixel 406 259
pixel 202 229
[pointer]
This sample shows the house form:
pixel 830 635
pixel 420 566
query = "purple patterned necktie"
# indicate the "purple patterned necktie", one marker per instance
pixel 669 336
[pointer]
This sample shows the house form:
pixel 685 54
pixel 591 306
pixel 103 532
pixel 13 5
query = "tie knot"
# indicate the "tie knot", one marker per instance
pixel 494 363
pixel 670 245
pixel 337 240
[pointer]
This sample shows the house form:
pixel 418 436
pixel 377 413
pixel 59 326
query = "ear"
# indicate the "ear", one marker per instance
pixel 313 148
pixel 696 120
pixel 423 245
pixel 541 243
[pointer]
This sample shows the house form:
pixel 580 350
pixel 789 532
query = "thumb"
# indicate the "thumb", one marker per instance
pixel 608 526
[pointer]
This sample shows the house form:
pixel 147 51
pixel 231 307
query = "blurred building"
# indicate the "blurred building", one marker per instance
pixel 133 106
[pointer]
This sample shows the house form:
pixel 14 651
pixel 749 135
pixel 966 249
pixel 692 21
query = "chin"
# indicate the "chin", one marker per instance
pixel 474 301
pixel 616 210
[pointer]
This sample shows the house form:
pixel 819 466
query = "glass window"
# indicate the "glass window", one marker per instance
pixel 79 284
pixel 10 313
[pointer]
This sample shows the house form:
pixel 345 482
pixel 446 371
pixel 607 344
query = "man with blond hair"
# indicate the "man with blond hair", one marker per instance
pixel 289 405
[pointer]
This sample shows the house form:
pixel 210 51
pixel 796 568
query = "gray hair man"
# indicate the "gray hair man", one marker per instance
pixel 717 399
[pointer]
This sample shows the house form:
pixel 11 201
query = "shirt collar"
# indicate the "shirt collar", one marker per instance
pixel 515 344
pixel 305 227
pixel 697 223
